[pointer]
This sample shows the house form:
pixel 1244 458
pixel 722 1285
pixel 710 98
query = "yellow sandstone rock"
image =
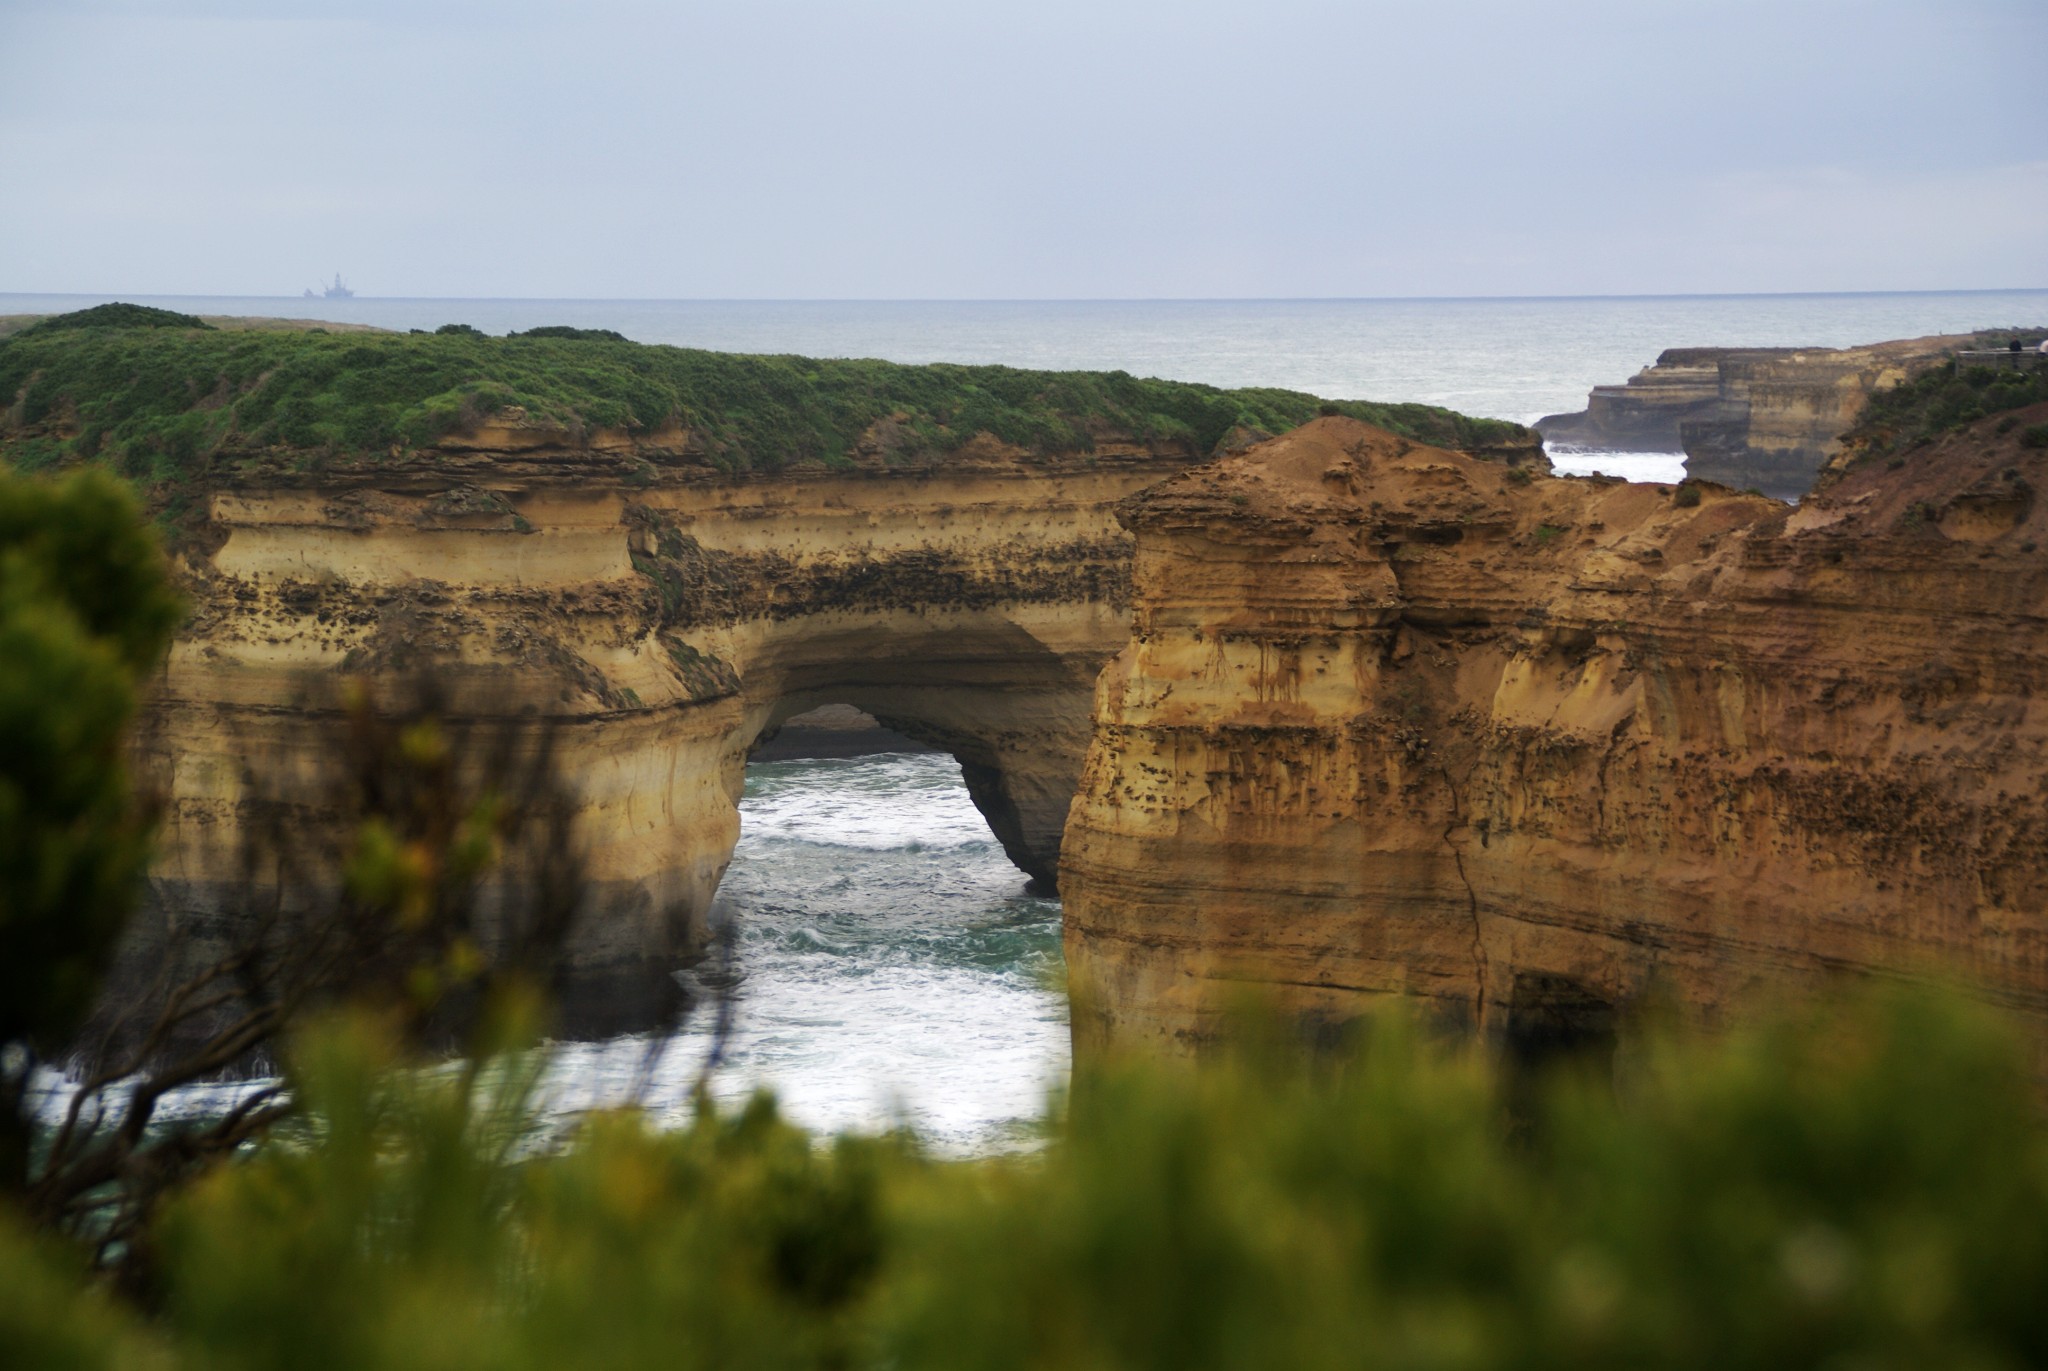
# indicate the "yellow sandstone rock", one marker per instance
pixel 659 626
pixel 1397 721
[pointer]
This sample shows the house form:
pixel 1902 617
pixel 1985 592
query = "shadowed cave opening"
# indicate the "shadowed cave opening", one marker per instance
pixel 893 964
pixel 831 731
pixel 1555 1019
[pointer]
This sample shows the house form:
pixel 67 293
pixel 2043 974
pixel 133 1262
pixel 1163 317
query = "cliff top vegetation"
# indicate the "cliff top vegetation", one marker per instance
pixel 115 315
pixel 1949 397
pixel 170 405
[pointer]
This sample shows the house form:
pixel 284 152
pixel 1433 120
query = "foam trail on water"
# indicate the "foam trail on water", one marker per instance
pixel 893 971
pixel 909 801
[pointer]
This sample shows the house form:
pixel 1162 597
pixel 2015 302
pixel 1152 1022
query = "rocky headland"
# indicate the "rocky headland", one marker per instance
pixel 1765 419
pixel 652 556
pixel 1530 751
pixel 1345 713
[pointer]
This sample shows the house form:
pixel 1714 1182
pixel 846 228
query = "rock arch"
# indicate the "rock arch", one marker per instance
pixel 657 629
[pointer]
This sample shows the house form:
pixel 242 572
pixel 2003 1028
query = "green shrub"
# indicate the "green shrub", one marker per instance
pixel 53 1318
pixel 115 315
pixel 406 1232
pixel 178 406
pixel 1864 1187
pixel 1940 401
pixel 1687 496
pixel 2034 435
pixel 577 335
pixel 86 609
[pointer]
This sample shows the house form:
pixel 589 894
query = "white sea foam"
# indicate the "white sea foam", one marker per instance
pixel 1667 468
pixel 50 1093
pixel 893 969
pixel 913 801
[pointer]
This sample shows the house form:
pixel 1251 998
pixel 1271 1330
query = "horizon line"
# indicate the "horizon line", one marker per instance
pixel 1036 299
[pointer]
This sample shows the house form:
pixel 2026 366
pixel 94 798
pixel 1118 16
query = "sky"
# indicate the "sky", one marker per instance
pixel 1017 149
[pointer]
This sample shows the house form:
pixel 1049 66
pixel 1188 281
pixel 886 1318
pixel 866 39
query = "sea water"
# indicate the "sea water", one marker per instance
pixel 891 971
pixel 891 968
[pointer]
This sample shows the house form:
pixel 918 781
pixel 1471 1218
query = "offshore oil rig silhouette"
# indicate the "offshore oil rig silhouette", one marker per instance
pixel 337 291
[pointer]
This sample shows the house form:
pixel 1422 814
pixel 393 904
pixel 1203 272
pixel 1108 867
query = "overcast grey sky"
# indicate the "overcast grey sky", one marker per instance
pixel 1028 148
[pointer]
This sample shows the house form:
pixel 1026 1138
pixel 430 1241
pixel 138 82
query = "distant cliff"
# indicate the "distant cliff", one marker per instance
pixel 1765 419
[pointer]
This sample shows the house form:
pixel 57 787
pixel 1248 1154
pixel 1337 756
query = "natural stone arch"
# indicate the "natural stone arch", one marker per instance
pixel 1010 710
pixel 657 630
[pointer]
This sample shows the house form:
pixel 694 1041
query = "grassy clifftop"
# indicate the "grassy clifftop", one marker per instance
pixel 1949 397
pixel 164 400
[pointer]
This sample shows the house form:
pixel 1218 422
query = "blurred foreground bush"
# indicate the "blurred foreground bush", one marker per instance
pixel 1866 1188
pixel 429 874
pixel 86 608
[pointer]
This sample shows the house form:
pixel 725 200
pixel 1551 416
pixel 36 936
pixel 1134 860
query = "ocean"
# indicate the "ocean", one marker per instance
pixel 892 969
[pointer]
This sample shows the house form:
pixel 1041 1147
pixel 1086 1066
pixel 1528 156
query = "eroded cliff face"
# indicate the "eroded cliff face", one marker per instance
pixel 1752 418
pixel 1644 412
pixel 657 617
pixel 1394 721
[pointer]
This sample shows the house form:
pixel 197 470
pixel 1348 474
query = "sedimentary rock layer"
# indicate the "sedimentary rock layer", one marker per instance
pixel 655 629
pixel 642 558
pixel 1752 418
pixel 1394 721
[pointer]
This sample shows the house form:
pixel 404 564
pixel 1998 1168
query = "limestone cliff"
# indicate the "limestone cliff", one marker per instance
pixel 645 558
pixel 1643 413
pixel 1752 418
pixel 660 629
pixel 1394 721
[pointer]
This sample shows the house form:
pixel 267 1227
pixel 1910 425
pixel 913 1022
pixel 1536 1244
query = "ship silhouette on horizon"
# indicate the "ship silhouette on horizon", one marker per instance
pixel 337 291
